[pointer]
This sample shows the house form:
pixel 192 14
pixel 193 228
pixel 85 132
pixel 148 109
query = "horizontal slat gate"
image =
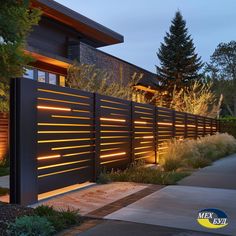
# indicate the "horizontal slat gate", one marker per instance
pixel 65 137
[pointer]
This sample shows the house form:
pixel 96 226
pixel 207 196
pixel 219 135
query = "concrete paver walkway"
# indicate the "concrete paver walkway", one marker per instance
pixel 222 174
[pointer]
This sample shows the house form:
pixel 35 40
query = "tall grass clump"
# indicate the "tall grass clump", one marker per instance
pixel 196 153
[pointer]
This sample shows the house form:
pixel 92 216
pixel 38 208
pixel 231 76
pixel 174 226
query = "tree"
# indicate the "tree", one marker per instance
pixel 16 21
pixel 179 64
pixel 222 69
pixel 197 99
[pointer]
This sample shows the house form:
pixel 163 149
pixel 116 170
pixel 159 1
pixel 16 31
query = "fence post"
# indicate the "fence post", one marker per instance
pixel 186 125
pixel 23 142
pixel 173 123
pixel 156 134
pixel 211 126
pixel 196 126
pixel 132 150
pixel 97 135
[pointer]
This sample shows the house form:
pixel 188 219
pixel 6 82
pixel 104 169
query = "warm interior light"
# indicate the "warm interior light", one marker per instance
pixel 54 108
pixel 113 155
pixel 48 157
pixel 164 123
pixel 70 147
pixel 64 132
pixel 61 164
pixel 110 119
pixel 76 154
pixel 113 108
pixel 63 101
pixel 62 93
pixel 71 117
pixel 116 160
pixel 57 124
pixel 63 140
pixel 61 172
pixel 140 122
pixel 148 137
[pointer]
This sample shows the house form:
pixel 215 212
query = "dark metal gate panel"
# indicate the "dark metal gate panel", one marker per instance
pixel 65 134
pixel 113 131
pixel 144 126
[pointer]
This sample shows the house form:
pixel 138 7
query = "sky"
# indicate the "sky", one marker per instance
pixel 144 24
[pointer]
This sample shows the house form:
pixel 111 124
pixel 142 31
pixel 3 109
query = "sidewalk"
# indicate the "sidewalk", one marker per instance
pixel 178 206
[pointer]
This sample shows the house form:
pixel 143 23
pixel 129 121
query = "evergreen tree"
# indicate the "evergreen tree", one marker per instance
pixel 16 21
pixel 179 64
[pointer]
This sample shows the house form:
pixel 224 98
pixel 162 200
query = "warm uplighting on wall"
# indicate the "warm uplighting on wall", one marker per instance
pixel 53 108
pixel 113 155
pixel 113 120
pixel 48 157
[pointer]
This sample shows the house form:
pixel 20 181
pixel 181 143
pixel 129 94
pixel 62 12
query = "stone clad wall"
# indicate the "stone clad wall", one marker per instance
pixel 122 69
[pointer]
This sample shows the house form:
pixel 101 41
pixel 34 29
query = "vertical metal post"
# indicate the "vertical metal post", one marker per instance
pixel 173 123
pixel 196 126
pixel 23 142
pixel 132 144
pixel 186 125
pixel 156 134
pixel 97 134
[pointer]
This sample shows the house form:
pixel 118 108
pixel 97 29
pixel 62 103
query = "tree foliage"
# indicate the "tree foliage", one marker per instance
pixel 179 64
pixel 16 21
pixel 92 79
pixel 222 70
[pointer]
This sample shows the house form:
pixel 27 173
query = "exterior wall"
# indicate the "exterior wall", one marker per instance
pixel 52 37
pixel 3 135
pixel 121 69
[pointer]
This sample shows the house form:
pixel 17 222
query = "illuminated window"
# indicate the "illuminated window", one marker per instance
pixel 52 78
pixel 62 80
pixel 29 73
pixel 41 76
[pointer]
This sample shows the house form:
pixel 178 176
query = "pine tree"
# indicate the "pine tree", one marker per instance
pixel 179 64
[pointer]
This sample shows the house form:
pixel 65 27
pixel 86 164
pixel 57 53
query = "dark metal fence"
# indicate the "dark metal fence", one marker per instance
pixel 62 136
pixel 3 135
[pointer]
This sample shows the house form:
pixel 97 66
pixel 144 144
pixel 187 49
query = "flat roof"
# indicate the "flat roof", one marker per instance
pixel 99 34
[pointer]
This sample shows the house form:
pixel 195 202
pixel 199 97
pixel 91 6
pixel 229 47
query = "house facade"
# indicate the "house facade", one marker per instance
pixel 63 36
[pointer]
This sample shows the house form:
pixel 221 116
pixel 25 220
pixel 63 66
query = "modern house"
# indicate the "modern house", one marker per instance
pixel 64 35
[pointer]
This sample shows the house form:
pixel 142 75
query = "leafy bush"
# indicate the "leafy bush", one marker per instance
pixel 59 219
pixel 197 153
pixel 31 226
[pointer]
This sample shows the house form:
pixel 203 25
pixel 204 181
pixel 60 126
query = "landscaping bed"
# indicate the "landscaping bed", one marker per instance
pixel 43 220
pixel 180 159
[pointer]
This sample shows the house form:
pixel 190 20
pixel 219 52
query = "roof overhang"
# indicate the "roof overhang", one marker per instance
pixel 48 58
pixel 99 34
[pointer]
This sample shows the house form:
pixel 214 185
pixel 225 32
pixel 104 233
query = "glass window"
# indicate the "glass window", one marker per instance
pixel 62 81
pixel 52 78
pixel 41 76
pixel 29 73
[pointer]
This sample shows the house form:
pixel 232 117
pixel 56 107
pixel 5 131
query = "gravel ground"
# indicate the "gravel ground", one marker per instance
pixel 8 213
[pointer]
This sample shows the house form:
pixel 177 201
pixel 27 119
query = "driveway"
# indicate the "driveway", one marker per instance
pixel 173 210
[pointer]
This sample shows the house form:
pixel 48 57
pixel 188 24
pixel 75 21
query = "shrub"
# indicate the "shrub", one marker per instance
pixel 59 219
pixel 197 153
pixel 31 226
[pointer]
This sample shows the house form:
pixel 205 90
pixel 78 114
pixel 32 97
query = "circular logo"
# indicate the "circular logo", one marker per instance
pixel 212 218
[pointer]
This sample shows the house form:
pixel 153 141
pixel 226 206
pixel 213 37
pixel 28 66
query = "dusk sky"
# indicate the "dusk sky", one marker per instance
pixel 144 23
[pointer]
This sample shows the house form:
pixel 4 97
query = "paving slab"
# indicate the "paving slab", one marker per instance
pixel 95 197
pixel 121 228
pixel 178 207
pixel 4 181
pixel 221 174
